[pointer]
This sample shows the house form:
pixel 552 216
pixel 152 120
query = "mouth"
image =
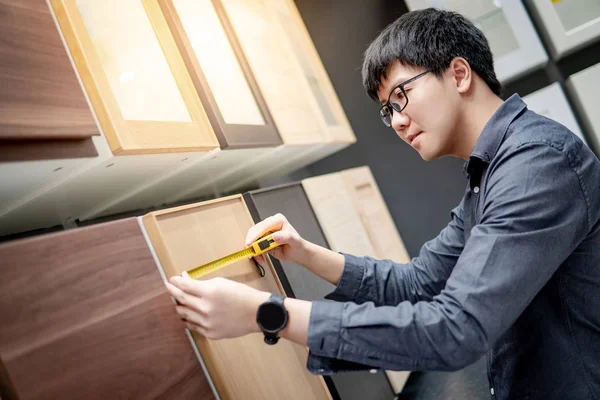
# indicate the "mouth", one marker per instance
pixel 410 138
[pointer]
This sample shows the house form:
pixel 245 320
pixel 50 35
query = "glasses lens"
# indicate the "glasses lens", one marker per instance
pixel 398 99
pixel 386 116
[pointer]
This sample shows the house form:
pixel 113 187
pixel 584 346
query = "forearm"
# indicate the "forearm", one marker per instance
pixel 323 262
pixel 296 329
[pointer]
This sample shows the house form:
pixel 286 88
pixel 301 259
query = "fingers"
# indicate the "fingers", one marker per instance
pixel 183 298
pixel 189 285
pixel 270 224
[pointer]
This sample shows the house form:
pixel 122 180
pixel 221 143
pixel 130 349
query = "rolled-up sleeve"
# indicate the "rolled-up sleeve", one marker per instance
pixel 534 216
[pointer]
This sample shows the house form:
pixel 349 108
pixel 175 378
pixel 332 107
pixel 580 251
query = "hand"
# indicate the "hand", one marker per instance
pixel 292 247
pixel 217 308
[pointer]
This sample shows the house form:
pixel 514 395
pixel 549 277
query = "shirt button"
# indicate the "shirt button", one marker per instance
pixel 476 189
pixel 492 391
pixel 322 370
pixel 373 371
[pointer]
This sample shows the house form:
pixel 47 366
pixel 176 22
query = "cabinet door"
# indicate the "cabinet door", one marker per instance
pixel 43 112
pixel 242 368
pixel 584 87
pixel 220 73
pixel 278 74
pixel 85 315
pixel 552 103
pixel 291 201
pixel 374 214
pixel 568 24
pixel 136 80
pixel 512 38
pixel 337 215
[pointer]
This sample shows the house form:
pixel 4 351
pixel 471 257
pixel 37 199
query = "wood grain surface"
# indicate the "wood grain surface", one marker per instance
pixel 242 368
pixel 53 149
pixel 41 97
pixel 85 315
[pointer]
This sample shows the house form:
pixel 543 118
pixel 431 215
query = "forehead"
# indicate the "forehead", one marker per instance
pixel 396 74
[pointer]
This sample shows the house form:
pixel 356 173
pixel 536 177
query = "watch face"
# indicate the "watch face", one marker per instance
pixel 271 316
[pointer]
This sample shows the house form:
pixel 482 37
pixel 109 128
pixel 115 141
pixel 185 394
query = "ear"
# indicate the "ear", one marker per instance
pixel 462 74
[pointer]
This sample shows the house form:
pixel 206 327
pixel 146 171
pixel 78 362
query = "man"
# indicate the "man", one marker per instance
pixel 515 274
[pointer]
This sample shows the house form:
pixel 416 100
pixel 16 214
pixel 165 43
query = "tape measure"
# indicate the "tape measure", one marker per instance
pixel 259 247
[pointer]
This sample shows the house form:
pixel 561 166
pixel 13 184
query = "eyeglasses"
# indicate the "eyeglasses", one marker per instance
pixel 397 100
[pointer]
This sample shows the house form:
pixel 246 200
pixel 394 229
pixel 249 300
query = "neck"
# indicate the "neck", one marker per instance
pixel 477 112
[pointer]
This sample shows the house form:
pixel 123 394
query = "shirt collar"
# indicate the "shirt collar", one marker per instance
pixel 494 133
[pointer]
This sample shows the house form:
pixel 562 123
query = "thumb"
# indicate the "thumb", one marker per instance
pixel 283 237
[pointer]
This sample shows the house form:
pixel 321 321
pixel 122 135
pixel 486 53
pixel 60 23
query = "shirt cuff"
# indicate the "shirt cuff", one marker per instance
pixel 351 280
pixel 324 328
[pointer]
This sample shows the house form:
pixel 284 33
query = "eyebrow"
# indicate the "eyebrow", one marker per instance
pixel 396 83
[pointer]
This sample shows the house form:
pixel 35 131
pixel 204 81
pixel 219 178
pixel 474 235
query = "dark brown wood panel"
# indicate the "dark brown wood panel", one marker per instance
pixel 291 201
pixel 30 150
pixel 41 97
pixel 85 315
pixel 230 136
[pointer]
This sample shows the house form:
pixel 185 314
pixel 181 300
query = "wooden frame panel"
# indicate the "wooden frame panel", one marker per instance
pixel 508 64
pixel 187 236
pixel 85 314
pixel 41 98
pixel 564 40
pixel 229 135
pixel 584 87
pixel 126 136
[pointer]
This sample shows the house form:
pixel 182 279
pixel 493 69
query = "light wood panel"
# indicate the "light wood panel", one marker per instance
pixel 374 214
pixel 188 236
pixel 85 315
pixel 337 215
pixel 40 97
pixel 112 57
pixel 356 220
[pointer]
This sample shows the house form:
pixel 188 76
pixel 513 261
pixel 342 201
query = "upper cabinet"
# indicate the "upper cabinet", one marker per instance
pixel 512 38
pixel 288 71
pixel 43 111
pixel 220 73
pixel 568 24
pixel 136 80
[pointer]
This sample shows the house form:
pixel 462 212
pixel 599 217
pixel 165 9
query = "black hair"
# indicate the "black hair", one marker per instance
pixel 428 38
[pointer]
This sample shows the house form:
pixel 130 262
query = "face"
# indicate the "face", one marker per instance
pixel 428 122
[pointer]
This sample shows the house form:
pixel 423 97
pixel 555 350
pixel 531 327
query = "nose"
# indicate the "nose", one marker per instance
pixel 400 122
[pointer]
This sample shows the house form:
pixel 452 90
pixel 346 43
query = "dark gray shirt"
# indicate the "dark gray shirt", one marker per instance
pixel 515 275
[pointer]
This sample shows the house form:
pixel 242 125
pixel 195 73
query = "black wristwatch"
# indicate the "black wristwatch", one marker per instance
pixel 272 317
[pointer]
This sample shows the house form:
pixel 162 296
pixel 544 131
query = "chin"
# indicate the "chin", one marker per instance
pixel 428 155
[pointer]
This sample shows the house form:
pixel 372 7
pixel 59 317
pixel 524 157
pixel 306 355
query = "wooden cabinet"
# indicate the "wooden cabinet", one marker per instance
pixel 295 87
pixel 291 201
pixel 145 103
pixel 513 40
pixel 46 126
pixel 552 103
pixel 188 236
pixel 85 315
pixel 356 220
pixel 584 87
pixel 567 24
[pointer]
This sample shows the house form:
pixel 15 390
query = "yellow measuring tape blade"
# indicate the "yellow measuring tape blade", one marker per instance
pixel 261 246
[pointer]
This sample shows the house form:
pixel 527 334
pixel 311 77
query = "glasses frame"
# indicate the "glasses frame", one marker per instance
pixel 390 106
